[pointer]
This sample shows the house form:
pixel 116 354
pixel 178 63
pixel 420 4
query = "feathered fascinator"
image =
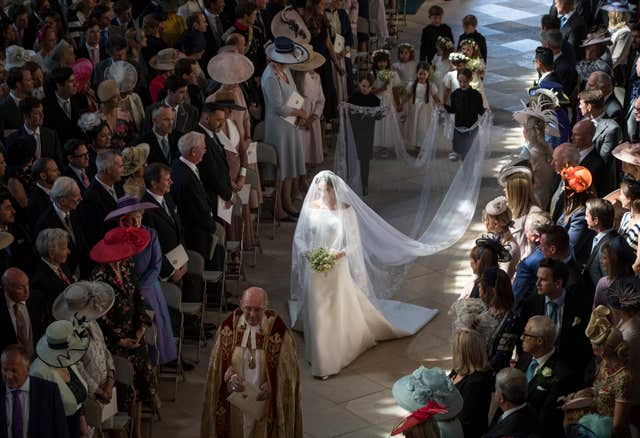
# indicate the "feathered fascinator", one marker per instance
pixel 494 245
pixel 458 57
pixel 89 122
pixel 549 94
pixel 124 74
pixel 541 109
pixel 624 293
pixel 472 315
pixel 577 178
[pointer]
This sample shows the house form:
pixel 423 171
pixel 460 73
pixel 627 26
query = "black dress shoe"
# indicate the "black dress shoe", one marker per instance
pixel 289 219
pixel 292 214
pixel 210 326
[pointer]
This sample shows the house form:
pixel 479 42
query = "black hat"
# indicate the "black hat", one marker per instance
pixel 544 55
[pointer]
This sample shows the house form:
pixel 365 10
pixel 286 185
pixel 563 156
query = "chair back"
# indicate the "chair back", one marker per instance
pixel 266 153
pixel 124 370
pixel 195 265
pixel 172 294
pixel 252 178
pixel 258 132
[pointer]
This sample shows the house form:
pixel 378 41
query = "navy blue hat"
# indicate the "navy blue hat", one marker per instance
pixel 193 42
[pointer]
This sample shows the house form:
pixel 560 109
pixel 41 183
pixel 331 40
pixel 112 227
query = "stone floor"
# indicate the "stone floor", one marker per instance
pixel 358 402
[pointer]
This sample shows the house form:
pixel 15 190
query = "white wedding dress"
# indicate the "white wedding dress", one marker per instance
pixel 339 320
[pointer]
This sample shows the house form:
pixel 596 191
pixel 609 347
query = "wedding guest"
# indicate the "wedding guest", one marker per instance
pixel 120 123
pixel 20 85
pixel 487 253
pixel 64 106
pixel 134 159
pixel 185 114
pixel 117 48
pixel 160 137
pixel 230 369
pixel 77 163
pixel 45 172
pixel 497 220
pixel 629 229
pixel 342 72
pixel 132 86
pixel 20 180
pixel 582 138
pixel 52 275
pixel 58 352
pixel 163 63
pixel 564 155
pixel 20 251
pixel 98 137
pixel 599 215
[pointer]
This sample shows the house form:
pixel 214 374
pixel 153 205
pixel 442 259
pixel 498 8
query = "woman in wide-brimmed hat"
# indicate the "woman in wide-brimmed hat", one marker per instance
pixel 125 323
pixel 58 351
pixel 86 302
pixel 278 86
pixel 148 264
pixel 134 159
pixel 164 64
pixel 130 107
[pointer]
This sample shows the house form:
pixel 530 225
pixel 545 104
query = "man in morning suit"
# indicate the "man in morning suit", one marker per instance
pixel 20 86
pixel 77 163
pixel 23 314
pixel 29 406
pixel 44 172
pixel 64 106
pixel 190 196
pixel 160 137
pixel 518 417
pixel 564 67
pixel 599 80
pixel 581 137
pixel 569 309
pixel 572 25
pixel 548 377
pixel 600 217
pixel 185 114
pixel 101 197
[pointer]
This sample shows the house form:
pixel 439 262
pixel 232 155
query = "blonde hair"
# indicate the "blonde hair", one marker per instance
pixel 469 353
pixel 618 19
pixel 519 192
pixel 505 218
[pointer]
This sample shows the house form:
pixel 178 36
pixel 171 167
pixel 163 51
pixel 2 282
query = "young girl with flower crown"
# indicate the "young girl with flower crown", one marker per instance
pixel 476 64
pixel 422 93
pixel 385 88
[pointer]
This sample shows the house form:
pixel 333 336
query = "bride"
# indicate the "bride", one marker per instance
pixel 342 311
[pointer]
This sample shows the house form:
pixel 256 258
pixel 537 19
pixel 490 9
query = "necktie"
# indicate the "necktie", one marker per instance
pixel 552 312
pixel 165 149
pixel 66 106
pixel 22 331
pixel 63 277
pixel 95 57
pixel 67 225
pixel 166 207
pixel 563 21
pixel 531 370
pixel 17 428
pixel 36 135
pixel 113 194
pixel 84 178
pixel 218 30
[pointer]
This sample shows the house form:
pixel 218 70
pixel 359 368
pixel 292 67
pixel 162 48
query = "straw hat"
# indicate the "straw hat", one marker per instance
pixel 83 301
pixel 315 60
pixel 288 23
pixel 134 158
pixel 129 204
pixel 230 68
pixel 124 74
pixel 62 345
pixel 284 51
pixel 165 60
pixel 119 244
pixel 628 152
pixel 6 239
pixel 107 90
pixel 16 56
pixel 415 390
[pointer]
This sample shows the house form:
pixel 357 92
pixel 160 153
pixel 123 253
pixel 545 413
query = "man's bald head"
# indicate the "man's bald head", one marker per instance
pixel 253 303
pixel 16 284
pixel 565 154
pixel 582 134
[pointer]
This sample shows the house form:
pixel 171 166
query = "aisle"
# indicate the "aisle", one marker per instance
pixel 358 402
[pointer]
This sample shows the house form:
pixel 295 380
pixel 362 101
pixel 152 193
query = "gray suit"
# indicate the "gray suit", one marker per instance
pixel 608 135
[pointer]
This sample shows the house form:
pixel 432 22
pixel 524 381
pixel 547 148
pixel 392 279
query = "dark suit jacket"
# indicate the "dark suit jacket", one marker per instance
pixel 193 206
pixel 476 391
pixel 580 236
pixel 566 73
pixel 56 119
pixel 522 423
pixel 592 269
pixel 48 282
pixel 574 31
pixel 96 204
pixel 83 52
pixel 187 117
pixel 594 162
pixel 38 314
pixel 543 392
pixel 46 412
pixel 214 171
pixel 155 151
pixel 613 109
pixel 168 228
pixel 71 174
pixel 78 250
pixel 10 117
pixel 39 201
pixel 572 344
pixel 22 251
pixel 524 283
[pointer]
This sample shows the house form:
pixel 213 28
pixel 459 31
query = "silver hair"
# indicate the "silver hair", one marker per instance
pixel 544 328
pixel 603 80
pixel 553 38
pixel 535 220
pixel 48 239
pixel 106 159
pixel 512 384
pixel 62 188
pixel 157 109
pixel 189 141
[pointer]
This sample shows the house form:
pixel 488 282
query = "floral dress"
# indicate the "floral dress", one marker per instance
pixel 504 339
pixel 612 384
pixel 122 321
pixel 125 132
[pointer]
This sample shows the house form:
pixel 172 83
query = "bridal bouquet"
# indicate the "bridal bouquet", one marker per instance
pixel 322 260
pixel 385 76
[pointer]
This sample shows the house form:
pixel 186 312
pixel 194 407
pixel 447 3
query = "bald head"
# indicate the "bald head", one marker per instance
pixel 582 134
pixel 253 303
pixel 566 154
pixel 16 284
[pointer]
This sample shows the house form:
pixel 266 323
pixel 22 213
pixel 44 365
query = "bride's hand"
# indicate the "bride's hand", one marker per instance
pixel 339 255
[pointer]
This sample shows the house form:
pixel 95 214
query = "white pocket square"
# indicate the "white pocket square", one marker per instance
pixel 540 388
pixel 576 321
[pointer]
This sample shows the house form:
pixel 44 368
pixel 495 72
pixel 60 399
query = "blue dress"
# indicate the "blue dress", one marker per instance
pixel 284 136
pixel 147 266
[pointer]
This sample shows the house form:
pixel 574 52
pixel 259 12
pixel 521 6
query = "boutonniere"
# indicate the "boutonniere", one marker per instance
pixel 576 321
pixel 546 372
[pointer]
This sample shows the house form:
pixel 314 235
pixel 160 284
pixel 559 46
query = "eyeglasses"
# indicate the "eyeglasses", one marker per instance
pixel 86 154
pixel 527 335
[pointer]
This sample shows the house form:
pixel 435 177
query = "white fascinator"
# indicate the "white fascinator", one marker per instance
pixel 89 122
pixel 124 74
pixel 472 315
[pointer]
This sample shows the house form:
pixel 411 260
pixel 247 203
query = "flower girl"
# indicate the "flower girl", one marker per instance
pixel 476 64
pixel 422 93
pixel 385 87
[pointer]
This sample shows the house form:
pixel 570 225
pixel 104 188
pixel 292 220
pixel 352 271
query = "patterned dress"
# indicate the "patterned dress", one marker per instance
pixel 612 384
pixel 503 339
pixel 122 321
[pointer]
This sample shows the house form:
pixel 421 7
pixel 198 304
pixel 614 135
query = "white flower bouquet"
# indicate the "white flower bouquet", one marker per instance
pixel 321 260
pixel 385 76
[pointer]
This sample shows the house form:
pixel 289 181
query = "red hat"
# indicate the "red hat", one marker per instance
pixel 577 178
pixel 119 244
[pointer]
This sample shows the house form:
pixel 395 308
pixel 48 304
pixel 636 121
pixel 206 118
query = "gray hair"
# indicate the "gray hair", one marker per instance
pixel 603 80
pixel 537 219
pixel 48 239
pixel 62 188
pixel 552 38
pixel 189 141
pixel 544 328
pixel 512 384
pixel 157 109
pixel 106 159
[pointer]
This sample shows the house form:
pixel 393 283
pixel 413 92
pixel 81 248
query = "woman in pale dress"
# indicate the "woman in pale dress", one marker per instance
pixel 385 88
pixel 618 14
pixel 338 309
pixel 441 64
pixel 470 48
pixel 277 86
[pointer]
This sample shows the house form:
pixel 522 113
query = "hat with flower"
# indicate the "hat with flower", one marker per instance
pixel 119 244
pixel 577 178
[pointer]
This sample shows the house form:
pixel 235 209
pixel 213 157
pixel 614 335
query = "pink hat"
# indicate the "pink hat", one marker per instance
pixel 82 70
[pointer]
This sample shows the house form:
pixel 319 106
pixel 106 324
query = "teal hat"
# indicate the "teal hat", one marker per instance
pixel 415 390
